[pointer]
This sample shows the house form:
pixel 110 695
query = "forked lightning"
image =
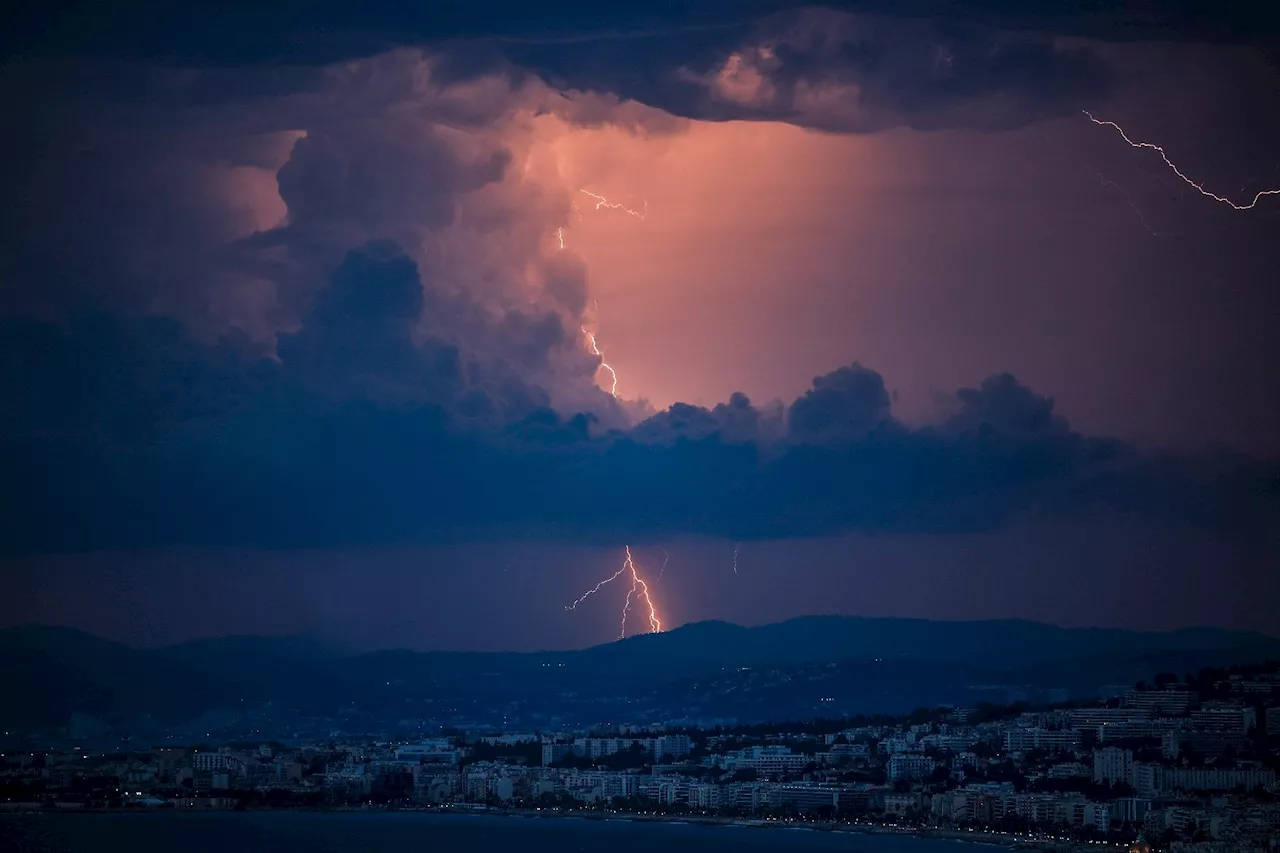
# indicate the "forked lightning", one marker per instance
pixel 1165 157
pixel 638 590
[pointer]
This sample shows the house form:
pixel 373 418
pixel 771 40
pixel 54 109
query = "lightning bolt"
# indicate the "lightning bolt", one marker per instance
pixel 595 350
pixel 639 590
pixel 737 546
pixel 666 558
pixel 603 203
pixel 1165 157
pixel 597 587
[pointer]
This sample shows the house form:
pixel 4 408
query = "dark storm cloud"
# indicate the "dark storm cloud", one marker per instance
pixel 840 66
pixel 836 71
pixel 845 403
pixel 1001 403
pixel 736 421
pixel 127 433
pixel 379 175
pixel 288 31
pixel 150 196
pixel 73 229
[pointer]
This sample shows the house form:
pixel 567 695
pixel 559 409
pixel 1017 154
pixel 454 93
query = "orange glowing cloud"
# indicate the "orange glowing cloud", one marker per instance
pixel 733 210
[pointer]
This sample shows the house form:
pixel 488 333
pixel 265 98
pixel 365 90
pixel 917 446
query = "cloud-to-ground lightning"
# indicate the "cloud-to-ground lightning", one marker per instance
pixel 638 590
pixel 1165 157
pixel 737 546
pixel 591 341
pixel 666 558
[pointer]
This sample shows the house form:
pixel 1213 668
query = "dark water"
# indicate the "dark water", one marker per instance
pixel 300 832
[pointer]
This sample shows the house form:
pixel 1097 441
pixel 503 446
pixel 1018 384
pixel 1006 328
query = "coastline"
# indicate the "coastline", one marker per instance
pixel 979 837
pixel 983 837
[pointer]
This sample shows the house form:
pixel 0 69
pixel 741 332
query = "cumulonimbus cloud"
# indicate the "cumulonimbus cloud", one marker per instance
pixel 130 434
pixel 374 338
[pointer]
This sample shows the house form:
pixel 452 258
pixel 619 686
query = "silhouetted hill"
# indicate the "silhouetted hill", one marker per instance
pixel 260 668
pixel 810 665
pixel 996 644
pixel 245 647
pixel 51 673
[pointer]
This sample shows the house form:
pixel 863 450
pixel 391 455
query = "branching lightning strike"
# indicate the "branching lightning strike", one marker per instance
pixel 639 590
pixel 603 203
pixel 1165 157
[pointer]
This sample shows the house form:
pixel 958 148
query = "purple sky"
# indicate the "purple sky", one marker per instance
pixel 495 597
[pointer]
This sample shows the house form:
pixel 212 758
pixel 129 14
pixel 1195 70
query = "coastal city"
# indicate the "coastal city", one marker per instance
pixel 1184 764
pixel 710 426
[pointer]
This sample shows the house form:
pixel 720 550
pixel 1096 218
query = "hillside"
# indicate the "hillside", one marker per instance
pixel 51 673
pixel 805 665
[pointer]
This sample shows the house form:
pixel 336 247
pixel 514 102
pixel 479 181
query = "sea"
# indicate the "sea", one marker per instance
pixel 409 832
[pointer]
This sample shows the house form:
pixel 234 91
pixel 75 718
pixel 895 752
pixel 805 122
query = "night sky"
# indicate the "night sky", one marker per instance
pixel 297 303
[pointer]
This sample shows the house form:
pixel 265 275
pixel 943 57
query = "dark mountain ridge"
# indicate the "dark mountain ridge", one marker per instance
pixel 51 673
pixel 996 644
pixel 57 672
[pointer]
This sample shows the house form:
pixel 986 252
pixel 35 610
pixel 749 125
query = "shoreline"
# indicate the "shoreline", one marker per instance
pixel 984 837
